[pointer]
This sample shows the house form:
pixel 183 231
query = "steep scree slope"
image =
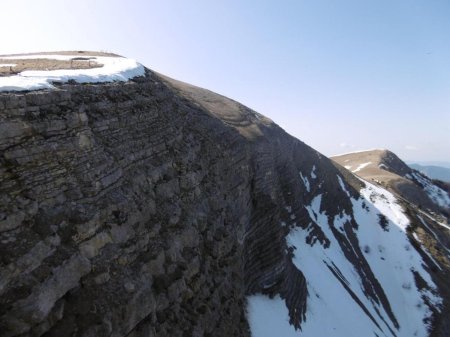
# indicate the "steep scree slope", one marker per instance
pixel 155 208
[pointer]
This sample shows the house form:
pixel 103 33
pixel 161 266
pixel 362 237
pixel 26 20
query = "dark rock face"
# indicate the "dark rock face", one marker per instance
pixel 129 210
pixel 394 164
pixel 153 208
pixel 123 214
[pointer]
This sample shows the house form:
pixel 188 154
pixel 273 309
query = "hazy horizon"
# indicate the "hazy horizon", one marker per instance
pixel 445 164
pixel 341 76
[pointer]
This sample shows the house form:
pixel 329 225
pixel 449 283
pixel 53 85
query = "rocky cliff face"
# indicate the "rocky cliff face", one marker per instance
pixel 123 213
pixel 155 208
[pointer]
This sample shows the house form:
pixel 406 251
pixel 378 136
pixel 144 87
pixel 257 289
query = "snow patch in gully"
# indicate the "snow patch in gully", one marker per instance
pixel 376 294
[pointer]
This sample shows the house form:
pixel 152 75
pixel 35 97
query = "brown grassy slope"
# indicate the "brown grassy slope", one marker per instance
pixel 386 169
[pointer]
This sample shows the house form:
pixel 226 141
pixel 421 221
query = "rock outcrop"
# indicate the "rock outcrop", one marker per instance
pixel 123 213
pixel 154 208
pixel 130 210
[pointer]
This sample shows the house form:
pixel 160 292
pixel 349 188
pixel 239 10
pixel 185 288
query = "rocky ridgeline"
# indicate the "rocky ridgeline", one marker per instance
pixel 154 208
pixel 122 214
pixel 132 210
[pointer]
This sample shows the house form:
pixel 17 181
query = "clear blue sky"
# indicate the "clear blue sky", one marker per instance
pixel 339 75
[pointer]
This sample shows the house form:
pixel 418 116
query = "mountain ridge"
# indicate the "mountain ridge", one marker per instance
pixel 433 171
pixel 150 207
pixel 387 169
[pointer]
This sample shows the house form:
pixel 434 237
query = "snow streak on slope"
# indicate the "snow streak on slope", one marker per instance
pixel 313 172
pixel 435 193
pixel 305 182
pixel 361 282
pixel 361 166
pixel 113 69
pixel 426 251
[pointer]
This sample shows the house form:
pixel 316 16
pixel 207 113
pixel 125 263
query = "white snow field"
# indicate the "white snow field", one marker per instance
pixel 331 310
pixel 358 168
pixel 114 69
pixel 361 166
pixel 435 193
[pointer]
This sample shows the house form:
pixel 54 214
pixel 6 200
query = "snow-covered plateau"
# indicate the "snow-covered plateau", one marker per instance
pixel 113 68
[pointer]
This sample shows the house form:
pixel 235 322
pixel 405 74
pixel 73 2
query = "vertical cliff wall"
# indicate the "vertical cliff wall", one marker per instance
pixel 132 210
pixel 123 213
pixel 155 208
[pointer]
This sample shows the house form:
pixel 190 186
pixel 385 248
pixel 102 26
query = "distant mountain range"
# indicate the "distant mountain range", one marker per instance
pixel 432 171
pixel 429 163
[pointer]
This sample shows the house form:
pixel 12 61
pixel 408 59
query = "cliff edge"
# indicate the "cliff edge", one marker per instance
pixel 144 206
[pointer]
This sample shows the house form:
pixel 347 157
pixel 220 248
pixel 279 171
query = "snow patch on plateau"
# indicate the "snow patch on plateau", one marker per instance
pixel 361 166
pixel 113 69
